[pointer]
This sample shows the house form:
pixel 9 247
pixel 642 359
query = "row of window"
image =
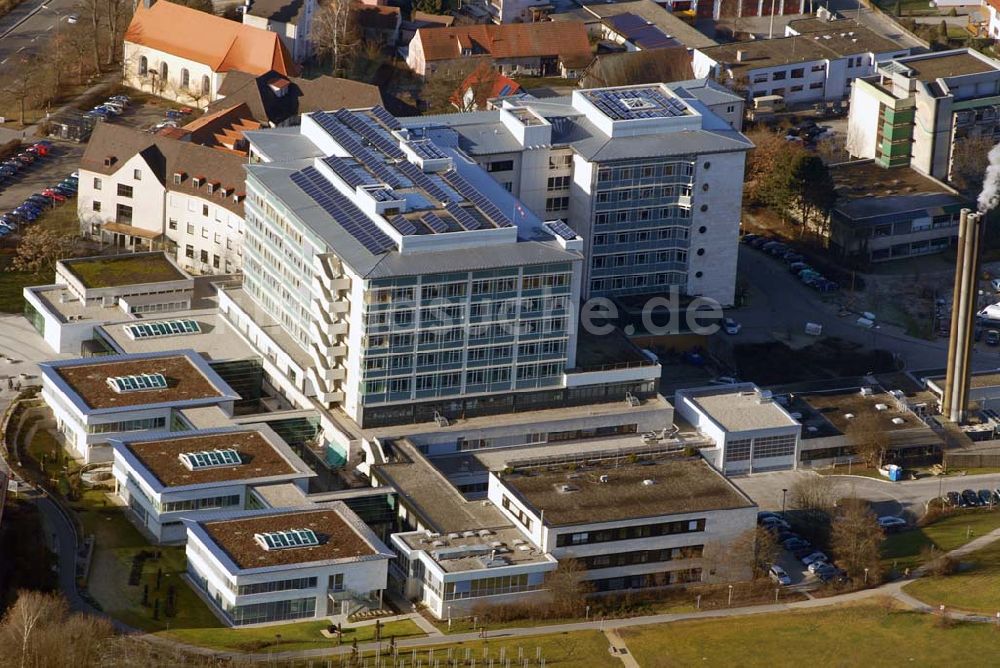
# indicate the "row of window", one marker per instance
pixel 520 515
pixel 645 257
pixel 642 215
pixel 200 504
pixel 504 584
pixel 630 533
pixel 648 580
pixel 273 585
pixel 641 557
pixel 765 446
pixel 605 174
pixel 641 236
pixel 640 281
pixel 164 71
pixel 127 425
pixel 488 376
pixel 648 192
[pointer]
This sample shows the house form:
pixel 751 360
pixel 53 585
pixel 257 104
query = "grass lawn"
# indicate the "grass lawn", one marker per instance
pixel 115 270
pixel 865 635
pixel 564 650
pixel 946 534
pixel 976 589
pixel 13 282
pixel 297 636
pixel 117 542
pixel 63 219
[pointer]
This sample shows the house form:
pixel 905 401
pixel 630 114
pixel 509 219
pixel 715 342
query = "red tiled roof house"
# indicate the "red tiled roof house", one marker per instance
pixel 517 49
pixel 183 54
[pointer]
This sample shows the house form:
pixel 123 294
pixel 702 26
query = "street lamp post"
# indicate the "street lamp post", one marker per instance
pixel 784 492
pixel 730 596
pixel 866 576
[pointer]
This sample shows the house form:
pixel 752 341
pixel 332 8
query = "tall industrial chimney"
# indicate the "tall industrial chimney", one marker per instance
pixel 963 314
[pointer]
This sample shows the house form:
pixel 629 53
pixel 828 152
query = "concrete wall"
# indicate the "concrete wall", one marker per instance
pixel 172 88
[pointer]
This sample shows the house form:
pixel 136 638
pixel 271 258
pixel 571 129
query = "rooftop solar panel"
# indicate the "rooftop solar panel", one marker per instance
pixel 436 224
pixel 352 177
pixel 342 210
pixel 372 134
pixel 387 119
pixel 427 149
pixel 636 103
pixel 474 195
pixel 423 181
pixel 403 226
pixel 463 217
pixel 561 229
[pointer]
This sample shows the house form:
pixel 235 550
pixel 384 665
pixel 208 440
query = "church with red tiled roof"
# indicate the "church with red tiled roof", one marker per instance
pixel 184 54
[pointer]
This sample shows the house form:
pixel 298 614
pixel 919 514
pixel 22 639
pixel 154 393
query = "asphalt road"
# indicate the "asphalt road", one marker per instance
pixel 780 304
pixel 24 31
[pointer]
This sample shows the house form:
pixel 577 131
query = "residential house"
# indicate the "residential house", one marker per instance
pixel 290 20
pixel 184 54
pixel 528 49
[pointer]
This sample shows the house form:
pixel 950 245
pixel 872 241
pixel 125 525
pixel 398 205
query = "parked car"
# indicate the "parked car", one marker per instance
pixel 748 239
pixel 813 557
pixel 969 498
pixel 760 241
pixel 54 194
pixel 890 523
pixel 72 18
pixel 766 515
pixel 985 497
pixel 731 326
pixel 27 213
pixel 26 158
pixel 954 499
pixel 125 99
pixel 796 543
pixel 64 191
pixel 816 566
pixel 992 337
pixel 786 535
pixel 779 575
pixel 791 257
pixel 830 574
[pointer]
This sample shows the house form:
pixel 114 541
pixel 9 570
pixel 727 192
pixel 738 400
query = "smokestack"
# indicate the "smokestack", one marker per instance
pixel 963 313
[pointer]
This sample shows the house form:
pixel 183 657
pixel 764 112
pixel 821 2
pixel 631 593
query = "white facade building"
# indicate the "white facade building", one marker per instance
pixel 89 411
pixel 817 63
pixel 312 562
pixel 291 21
pixel 146 191
pixel 641 173
pixel 389 276
pixel 190 474
pixel 751 430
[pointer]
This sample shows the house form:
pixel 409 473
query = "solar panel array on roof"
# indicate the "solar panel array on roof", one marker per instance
pixel 137 382
pixel 463 217
pixel 372 134
pixel 150 330
pixel 402 225
pixel 387 119
pixel 352 176
pixel 342 210
pixel 473 194
pixel 422 181
pixel 427 149
pixel 208 459
pixel 383 194
pixel 436 224
pixel 561 229
pixel 641 32
pixel 635 103
pixel 277 540
pixel 343 136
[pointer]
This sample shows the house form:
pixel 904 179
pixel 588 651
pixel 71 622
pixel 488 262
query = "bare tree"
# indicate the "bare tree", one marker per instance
pixel 869 438
pixel 567 588
pixel 24 621
pixel 441 87
pixel 813 493
pixel 856 541
pixel 40 249
pixel 334 33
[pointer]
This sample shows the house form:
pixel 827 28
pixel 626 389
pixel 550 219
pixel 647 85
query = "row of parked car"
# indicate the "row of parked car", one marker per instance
pixel 815 561
pixel 14 165
pixel 970 498
pixel 172 118
pixel 35 205
pixel 795 261
pixel 112 107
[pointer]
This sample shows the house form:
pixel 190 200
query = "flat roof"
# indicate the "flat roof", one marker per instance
pixel 838 42
pixel 946 65
pixel 118 270
pixel 742 410
pixel 681 485
pixel 216 339
pixel 472 551
pixel 260 457
pixel 834 407
pixel 185 381
pixel 337 538
pixel 865 190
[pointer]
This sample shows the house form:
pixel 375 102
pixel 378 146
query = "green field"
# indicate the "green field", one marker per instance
pixel 286 637
pixel 904 549
pixel 587 649
pixel 868 635
pixel 976 589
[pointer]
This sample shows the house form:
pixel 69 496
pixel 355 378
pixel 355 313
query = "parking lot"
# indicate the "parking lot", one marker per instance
pixel 45 172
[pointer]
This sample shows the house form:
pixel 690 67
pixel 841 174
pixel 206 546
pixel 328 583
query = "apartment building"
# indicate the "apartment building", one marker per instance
pixel 97 399
pixel 142 192
pixel 194 473
pixel 390 277
pixel 641 173
pixel 915 110
pixel 751 431
pixel 312 562
pixel 816 63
